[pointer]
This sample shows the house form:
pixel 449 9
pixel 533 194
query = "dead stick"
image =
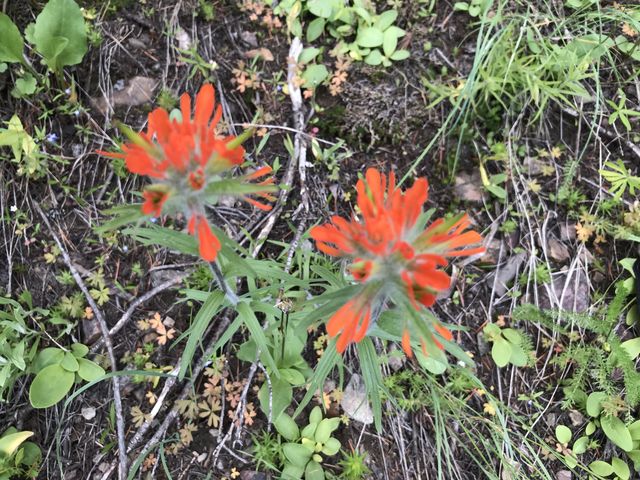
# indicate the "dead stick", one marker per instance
pixel 104 329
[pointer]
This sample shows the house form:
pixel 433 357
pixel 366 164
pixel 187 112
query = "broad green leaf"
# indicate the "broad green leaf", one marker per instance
pixel 308 54
pixel 563 434
pixel 386 19
pixel 634 430
pixel 79 350
pixel 315 29
pixel 374 58
pixel 46 357
pixel 518 356
pixel 287 427
pixel 293 376
pixel 31 455
pixel 431 364
pixel 369 37
pixel 601 468
pixel 280 397
pixel 11 442
pixel 325 428
pixel 24 86
pixel 200 323
pixel 592 46
pixel 11 42
pixel 594 403
pixel 320 8
pixel 296 453
pixel 620 468
pixel 89 371
pixel 50 386
pixel 632 347
pixel 615 429
pixel 501 352
pixel 331 447
pixel 400 55
pixel 512 335
pixel 314 75
pixel 313 471
pixel 315 416
pixel 291 472
pixel 390 42
pixel 60 34
pixel 69 362
pixel 580 445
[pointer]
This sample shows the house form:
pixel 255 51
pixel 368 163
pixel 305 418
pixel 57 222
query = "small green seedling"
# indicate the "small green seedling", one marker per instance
pixel 304 450
pixel 56 372
pixel 507 346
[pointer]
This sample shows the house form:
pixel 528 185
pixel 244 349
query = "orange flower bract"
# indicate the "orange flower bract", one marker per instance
pixel 185 157
pixel 392 256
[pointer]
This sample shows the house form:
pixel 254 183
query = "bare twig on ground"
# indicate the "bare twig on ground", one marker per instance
pixel 104 329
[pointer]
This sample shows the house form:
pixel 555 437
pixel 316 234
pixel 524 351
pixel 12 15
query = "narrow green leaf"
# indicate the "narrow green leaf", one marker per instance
pixel 257 334
pixel 210 307
pixel 372 377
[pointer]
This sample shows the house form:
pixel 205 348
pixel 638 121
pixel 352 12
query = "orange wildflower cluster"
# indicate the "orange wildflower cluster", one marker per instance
pixel 391 255
pixel 186 158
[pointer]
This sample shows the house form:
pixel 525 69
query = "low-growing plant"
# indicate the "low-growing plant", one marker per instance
pixel 18 340
pixel 57 370
pixel 509 346
pixel 353 465
pixel 18 458
pixel 305 448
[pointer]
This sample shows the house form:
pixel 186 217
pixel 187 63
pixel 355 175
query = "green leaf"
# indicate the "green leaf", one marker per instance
pixel 601 468
pixel 293 376
pixel 461 6
pixel 331 447
pixel 50 386
pixel 296 453
pixel 374 58
pixel 501 352
pixel 308 54
pixel 89 371
pixel 390 42
pixel 512 335
pixel 620 468
pixel 400 55
pixel 314 75
pixel 370 366
pixel 257 334
pixel 580 445
pixel 615 429
pixel 634 430
pixel 386 19
pixel 11 42
pixel 287 427
pixel 315 416
pixel 563 434
pixel 369 37
pixel 79 350
pixel 313 471
pixel 69 362
pixel 320 8
pixel 11 442
pixel 594 403
pixel 60 34
pixel 315 29
pixel 325 428
pixel 632 347
pixel 431 364
pixel 210 307
pixel 518 357
pixel 46 357
pixel 281 395
pixel 25 85
pixel 291 472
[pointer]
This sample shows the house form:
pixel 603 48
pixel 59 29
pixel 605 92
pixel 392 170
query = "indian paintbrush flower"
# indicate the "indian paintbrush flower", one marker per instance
pixel 394 257
pixel 190 166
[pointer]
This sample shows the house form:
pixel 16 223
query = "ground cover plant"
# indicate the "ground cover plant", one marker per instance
pixel 392 239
